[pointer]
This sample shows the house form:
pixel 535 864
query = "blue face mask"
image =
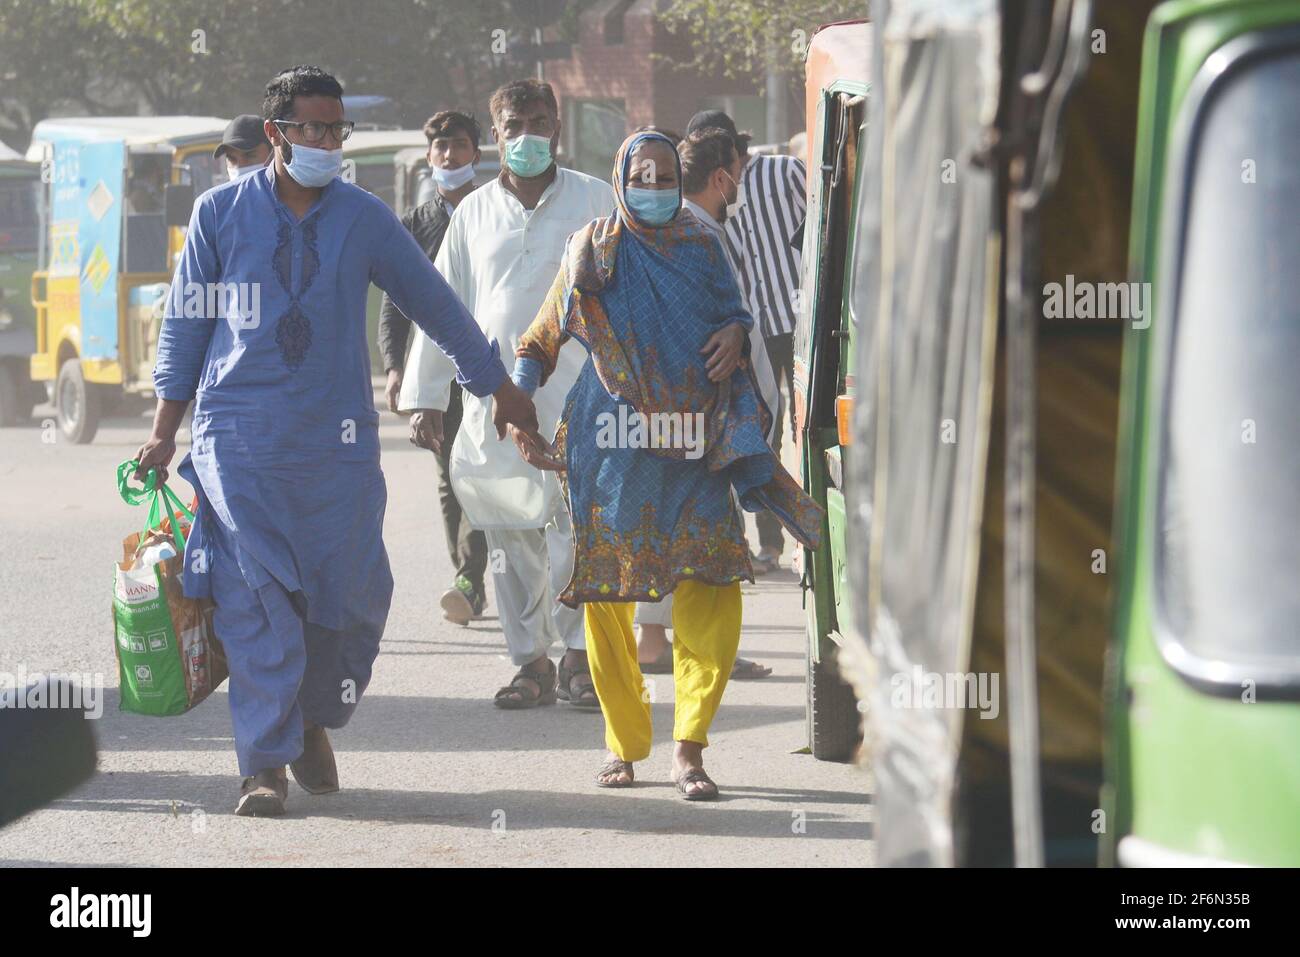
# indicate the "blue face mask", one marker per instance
pixel 528 155
pixel 313 167
pixel 654 207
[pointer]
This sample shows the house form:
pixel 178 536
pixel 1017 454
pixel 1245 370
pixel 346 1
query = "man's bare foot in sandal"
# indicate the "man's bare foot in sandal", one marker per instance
pixel 575 684
pixel 688 772
pixel 533 685
pixel 615 772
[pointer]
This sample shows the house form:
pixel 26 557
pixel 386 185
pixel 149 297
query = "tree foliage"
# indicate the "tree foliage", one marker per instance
pixel 100 57
pixel 753 37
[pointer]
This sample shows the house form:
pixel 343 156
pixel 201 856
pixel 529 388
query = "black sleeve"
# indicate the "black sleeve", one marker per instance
pixel 394 327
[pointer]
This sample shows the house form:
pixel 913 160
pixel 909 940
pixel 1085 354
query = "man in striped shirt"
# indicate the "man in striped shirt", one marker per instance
pixel 760 229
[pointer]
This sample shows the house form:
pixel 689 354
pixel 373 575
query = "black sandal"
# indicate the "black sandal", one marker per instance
pixel 586 698
pixel 746 670
pixel 519 697
pixel 616 766
pixel 696 776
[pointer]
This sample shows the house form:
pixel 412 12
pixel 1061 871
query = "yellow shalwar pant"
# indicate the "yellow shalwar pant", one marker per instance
pixel 706 633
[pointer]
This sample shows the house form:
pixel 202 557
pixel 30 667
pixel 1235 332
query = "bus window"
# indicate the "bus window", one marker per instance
pixel 145 226
pixel 19 223
pixel 1228 553
pixel 204 170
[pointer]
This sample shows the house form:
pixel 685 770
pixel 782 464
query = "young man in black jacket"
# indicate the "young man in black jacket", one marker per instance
pixel 453 153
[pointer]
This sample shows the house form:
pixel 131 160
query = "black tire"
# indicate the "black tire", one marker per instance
pixel 834 724
pixel 78 404
pixel 15 396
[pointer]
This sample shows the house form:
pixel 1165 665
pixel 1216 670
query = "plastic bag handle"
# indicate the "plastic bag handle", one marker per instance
pixel 163 503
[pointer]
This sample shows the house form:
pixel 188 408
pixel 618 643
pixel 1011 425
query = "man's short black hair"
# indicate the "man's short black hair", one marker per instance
pixel 520 93
pixel 702 152
pixel 297 81
pixel 449 123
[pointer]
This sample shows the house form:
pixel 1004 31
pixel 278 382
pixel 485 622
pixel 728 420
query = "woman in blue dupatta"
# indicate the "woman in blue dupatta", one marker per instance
pixel 662 432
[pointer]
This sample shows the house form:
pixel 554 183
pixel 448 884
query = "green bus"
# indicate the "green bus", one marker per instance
pixel 20 232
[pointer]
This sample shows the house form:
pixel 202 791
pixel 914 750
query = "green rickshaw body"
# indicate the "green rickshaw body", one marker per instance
pixel 824 366
pixel 1203 758
pixel 20 232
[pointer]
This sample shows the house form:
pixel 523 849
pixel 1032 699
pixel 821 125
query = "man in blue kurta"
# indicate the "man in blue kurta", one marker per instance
pixel 266 330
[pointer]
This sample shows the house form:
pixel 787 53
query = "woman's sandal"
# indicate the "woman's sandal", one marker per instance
pixel 746 670
pixel 615 766
pixel 585 698
pixel 517 696
pixel 696 776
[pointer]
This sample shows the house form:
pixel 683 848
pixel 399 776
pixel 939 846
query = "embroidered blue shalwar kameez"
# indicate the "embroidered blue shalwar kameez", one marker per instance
pixel 285 453
pixel 643 300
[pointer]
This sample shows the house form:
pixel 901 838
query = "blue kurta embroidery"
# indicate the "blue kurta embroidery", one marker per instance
pixel 293 336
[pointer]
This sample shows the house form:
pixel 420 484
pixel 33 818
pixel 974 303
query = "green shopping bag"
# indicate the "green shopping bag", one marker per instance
pixel 168 657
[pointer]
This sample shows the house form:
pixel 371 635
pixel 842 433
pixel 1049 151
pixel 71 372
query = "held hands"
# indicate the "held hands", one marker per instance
pixel 514 411
pixel 536 451
pixel 426 430
pixel 511 406
pixel 727 346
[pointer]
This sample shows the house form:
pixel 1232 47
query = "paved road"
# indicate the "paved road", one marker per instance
pixel 433 774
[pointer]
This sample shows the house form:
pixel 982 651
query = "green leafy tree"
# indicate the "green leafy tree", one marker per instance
pixel 64 57
pixel 752 37
pixel 47 63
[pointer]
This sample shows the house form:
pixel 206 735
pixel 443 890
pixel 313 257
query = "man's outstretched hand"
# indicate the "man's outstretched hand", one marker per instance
pixel 511 406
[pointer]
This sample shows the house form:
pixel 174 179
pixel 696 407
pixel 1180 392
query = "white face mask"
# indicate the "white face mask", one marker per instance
pixel 312 167
pixel 239 172
pixel 733 208
pixel 452 179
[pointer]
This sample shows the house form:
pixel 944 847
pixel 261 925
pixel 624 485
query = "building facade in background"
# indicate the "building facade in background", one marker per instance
pixel 616 78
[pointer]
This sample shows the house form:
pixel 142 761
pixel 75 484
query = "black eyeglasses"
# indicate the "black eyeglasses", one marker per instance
pixel 313 132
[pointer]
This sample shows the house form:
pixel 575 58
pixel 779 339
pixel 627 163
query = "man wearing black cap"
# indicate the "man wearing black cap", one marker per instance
pixel 245 146
pixel 760 226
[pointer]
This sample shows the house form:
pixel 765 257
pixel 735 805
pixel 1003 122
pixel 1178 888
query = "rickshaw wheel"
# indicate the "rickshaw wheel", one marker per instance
pixel 834 723
pixel 78 404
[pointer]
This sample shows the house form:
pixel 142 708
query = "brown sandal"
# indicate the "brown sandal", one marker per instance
pixel 696 776
pixel 517 696
pixel 615 766
pixel 585 698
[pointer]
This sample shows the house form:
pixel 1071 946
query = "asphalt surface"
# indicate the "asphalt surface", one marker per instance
pixel 432 773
